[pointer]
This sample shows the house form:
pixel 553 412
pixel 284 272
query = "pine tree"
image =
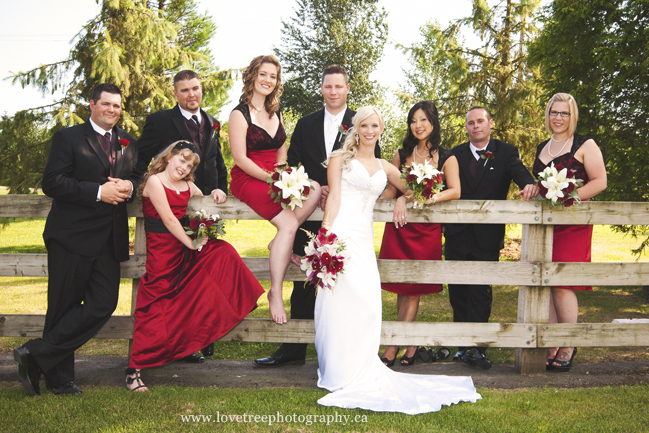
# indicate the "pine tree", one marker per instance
pixel 135 44
pixel 351 33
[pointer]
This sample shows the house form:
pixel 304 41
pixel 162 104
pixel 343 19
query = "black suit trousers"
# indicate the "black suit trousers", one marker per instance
pixel 303 295
pixel 82 294
pixel 471 303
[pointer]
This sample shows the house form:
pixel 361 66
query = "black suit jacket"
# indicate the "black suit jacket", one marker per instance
pixel 76 167
pixel 308 144
pixel 167 126
pixel 492 183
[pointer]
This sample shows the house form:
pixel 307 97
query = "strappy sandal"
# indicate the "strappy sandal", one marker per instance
pixel 549 361
pixel 136 378
pixel 408 360
pixel 565 365
pixel 388 362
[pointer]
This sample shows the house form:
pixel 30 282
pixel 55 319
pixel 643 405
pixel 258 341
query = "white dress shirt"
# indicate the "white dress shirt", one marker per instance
pixel 331 125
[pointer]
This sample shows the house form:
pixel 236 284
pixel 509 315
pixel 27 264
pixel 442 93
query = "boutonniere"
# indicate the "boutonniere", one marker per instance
pixel 217 127
pixel 124 143
pixel 343 129
pixel 487 156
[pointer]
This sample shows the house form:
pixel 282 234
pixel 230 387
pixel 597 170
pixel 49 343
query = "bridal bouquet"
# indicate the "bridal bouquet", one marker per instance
pixel 324 259
pixel 204 224
pixel 423 180
pixel 289 186
pixel 556 187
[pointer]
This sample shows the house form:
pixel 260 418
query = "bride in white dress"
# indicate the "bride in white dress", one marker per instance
pixel 348 319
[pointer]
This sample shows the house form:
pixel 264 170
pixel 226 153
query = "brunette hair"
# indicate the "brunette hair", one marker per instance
pixel 104 87
pixel 410 141
pixel 159 164
pixel 334 69
pixel 250 74
pixel 350 146
pixel 574 111
pixel 478 107
pixel 185 75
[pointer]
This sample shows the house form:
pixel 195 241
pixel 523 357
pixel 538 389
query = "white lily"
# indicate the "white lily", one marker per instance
pixel 555 182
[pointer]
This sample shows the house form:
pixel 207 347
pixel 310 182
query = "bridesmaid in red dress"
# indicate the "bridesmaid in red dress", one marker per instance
pixel 257 141
pixel 571 243
pixel 420 241
pixel 187 298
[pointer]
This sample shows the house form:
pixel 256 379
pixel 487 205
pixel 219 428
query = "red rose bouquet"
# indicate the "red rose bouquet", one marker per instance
pixel 324 259
pixel 556 187
pixel 289 186
pixel 204 224
pixel 423 180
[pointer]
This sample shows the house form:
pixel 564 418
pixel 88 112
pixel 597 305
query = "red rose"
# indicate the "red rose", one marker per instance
pixel 559 167
pixel 345 127
pixel 570 188
pixel 306 190
pixel 439 178
pixel 569 202
pixel 193 224
pixel 325 259
pixel 543 191
pixel 275 176
pixel 217 127
pixel 488 155
pixel 289 170
pixel 208 223
pixel 124 143
pixel 411 178
pixel 275 188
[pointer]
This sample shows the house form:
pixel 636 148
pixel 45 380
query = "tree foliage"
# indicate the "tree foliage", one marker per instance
pixel 597 51
pixel 136 44
pixel 351 33
pixel 494 74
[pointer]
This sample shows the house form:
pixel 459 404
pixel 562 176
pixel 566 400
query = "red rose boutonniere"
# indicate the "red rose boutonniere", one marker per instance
pixel 487 156
pixel 217 127
pixel 123 142
pixel 343 129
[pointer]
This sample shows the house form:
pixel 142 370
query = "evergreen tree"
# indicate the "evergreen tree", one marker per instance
pixel 597 51
pixel 494 75
pixel 135 44
pixel 351 33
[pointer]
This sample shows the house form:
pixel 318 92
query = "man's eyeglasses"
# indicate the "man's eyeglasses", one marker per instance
pixel 559 113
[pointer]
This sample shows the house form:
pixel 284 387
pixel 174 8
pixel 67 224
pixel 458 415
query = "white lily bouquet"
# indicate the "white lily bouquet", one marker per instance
pixel 289 186
pixel 556 187
pixel 324 259
pixel 423 180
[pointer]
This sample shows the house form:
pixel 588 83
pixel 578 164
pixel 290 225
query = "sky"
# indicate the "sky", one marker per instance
pixel 245 29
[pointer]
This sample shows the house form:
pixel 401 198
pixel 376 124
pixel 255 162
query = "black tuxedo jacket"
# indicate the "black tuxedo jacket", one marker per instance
pixel 492 183
pixel 167 126
pixel 76 167
pixel 308 144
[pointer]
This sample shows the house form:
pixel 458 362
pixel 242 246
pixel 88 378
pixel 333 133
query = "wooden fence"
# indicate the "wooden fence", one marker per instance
pixel 535 273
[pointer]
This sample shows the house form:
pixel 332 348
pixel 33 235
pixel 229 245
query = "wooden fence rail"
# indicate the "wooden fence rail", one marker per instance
pixel 535 273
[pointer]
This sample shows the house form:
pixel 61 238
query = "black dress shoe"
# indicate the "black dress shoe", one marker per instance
pixel 29 371
pixel 194 358
pixel 66 389
pixel 461 351
pixel 208 350
pixel 280 359
pixel 479 360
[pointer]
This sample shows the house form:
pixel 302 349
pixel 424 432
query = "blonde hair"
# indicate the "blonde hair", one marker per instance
pixel 250 74
pixel 350 146
pixel 159 164
pixel 574 111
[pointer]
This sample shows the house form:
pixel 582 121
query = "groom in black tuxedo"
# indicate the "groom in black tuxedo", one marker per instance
pixel 86 235
pixel 187 121
pixel 487 168
pixel 314 138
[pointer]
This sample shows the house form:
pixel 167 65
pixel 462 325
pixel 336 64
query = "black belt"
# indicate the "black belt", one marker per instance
pixel 155 225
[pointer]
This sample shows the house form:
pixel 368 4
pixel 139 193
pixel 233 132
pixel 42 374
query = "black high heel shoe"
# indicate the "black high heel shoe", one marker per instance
pixel 549 361
pixel 388 362
pixel 565 365
pixel 408 360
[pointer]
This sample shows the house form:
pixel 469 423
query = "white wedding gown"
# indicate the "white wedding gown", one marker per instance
pixel 348 321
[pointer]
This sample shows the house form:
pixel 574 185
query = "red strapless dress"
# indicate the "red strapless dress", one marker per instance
pixel 187 299
pixel 571 243
pixel 261 148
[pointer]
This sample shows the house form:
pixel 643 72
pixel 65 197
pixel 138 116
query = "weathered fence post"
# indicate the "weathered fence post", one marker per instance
pixel 534 300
